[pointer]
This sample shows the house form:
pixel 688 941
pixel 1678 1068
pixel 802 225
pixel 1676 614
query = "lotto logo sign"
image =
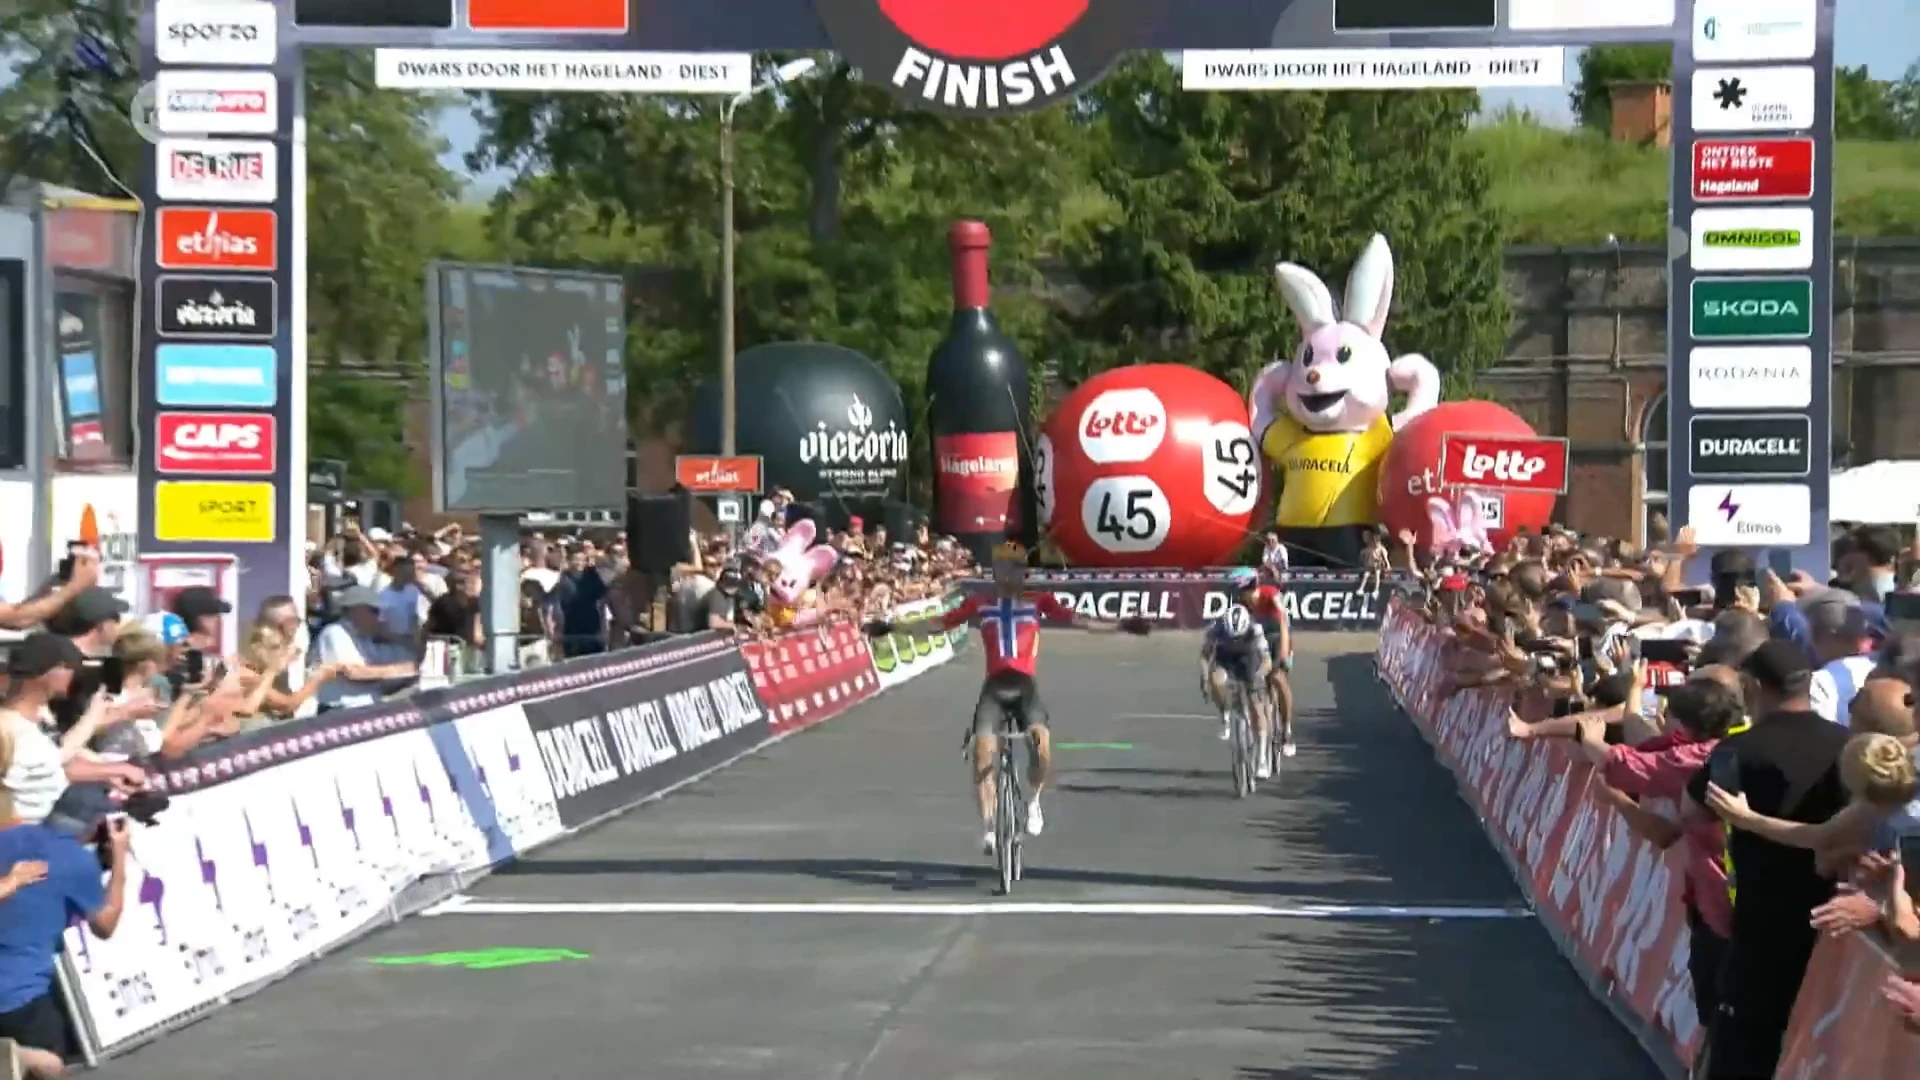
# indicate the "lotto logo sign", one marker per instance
pixel 1123 426
pixel 1504 462
pixel 229 444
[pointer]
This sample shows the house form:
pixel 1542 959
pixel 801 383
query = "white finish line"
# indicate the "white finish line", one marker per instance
pixel 461 905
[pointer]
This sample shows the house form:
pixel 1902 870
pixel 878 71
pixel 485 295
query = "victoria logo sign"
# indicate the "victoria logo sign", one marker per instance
pixel 1504 462
pixel 986 57
pixel 232 308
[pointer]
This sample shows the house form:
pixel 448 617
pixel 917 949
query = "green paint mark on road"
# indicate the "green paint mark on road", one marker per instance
pixel 484 959
pixel 1093 746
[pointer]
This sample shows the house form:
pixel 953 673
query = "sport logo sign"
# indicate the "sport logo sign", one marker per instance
pixel 1504 463
pixel 228 444
pixel 986 57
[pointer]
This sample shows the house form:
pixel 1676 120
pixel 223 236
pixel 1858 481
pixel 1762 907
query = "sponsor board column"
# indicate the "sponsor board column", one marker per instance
pixel 219 401
pixel 1751 281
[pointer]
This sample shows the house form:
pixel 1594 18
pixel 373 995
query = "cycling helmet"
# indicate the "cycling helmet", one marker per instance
pixel 1239 621
pixel 1243 578
pixel 171 629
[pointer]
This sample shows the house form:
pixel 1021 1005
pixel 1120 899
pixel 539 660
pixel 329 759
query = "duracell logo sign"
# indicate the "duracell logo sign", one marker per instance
pixel 226 308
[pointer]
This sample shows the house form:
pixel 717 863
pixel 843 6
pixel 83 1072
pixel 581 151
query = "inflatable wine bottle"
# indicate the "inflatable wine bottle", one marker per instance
pixel 979 411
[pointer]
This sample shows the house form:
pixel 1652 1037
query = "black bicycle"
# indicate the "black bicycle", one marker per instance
pixel 1010 806
pixel 1240 721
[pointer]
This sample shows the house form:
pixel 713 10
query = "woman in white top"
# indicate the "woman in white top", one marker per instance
pixel 39 671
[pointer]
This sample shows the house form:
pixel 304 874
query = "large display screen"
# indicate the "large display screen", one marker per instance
pixel 530 392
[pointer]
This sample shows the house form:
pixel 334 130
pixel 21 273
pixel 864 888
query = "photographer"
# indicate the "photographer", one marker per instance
pixel 41 670
pixel 82 573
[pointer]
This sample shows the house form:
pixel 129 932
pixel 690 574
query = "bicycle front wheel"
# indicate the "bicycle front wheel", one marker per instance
pixel 1006 824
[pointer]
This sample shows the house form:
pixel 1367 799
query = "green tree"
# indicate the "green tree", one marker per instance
pixel 841 208
pixel 1864 107
pixel 64 120
pixel 1213 188
pixel 1604 65
pixel 378 208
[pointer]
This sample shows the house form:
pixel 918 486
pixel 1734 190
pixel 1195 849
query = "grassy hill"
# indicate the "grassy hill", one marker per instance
pixel 1556 186
pixel 1561 187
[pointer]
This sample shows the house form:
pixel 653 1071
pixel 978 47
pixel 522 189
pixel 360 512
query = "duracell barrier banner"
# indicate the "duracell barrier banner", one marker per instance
pixel 1190 599
pixel 607 747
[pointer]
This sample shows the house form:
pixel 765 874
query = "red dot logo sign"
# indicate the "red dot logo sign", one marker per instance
pixel 983 29
pixel 987 57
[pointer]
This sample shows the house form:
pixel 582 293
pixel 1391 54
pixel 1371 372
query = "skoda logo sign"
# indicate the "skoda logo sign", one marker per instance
pixel 986 57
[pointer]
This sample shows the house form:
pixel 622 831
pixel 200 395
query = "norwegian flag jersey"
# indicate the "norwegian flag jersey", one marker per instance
pixel 1010 627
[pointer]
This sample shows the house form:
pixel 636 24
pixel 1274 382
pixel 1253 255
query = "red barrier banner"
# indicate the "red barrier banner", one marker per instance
pixel 805 676
pixel 1610 899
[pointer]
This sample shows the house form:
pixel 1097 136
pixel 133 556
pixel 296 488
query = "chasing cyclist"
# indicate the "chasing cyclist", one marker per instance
pixel 1010 633
pixel 1235 650
pixel 1264 602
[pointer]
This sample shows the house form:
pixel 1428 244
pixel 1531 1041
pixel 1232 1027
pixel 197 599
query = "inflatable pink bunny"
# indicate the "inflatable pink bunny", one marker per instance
pixel 1460 525
pixel 1342 379
pixel 802 566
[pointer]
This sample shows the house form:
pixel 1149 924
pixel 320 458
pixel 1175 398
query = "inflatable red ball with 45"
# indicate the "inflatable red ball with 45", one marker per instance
pixel 1148 466
pixel 1412 496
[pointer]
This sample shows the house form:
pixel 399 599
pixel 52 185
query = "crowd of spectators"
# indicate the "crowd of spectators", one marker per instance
pixel 1765 724
pixel 743 587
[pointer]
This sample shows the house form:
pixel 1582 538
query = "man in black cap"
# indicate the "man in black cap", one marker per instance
pixel 1788 766
pixel 90 622
pixel 202 610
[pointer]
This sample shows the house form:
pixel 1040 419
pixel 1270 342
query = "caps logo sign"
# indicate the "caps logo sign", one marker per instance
pixel 1504 463
pixel 207 238
pixel 230 444
pixel 986 57
pixel 707 475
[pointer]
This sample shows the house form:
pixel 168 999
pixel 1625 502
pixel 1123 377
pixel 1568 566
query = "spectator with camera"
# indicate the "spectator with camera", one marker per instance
pixel 364 664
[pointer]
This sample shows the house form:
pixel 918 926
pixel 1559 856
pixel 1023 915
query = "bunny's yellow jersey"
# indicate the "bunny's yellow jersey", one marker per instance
pixel 1330 478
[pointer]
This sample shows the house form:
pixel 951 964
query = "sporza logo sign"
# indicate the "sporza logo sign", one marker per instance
pixel 227 33
pixel 985 57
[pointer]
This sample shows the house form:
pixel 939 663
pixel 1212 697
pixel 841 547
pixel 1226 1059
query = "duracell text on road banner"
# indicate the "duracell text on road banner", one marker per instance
pixel 1371 69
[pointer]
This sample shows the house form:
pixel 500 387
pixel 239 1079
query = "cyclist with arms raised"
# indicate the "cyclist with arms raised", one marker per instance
pixel 1010 633
pixel 1264 602
pixel 1235 650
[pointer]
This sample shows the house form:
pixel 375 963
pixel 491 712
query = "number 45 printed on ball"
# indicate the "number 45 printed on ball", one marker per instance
pixel 1133 513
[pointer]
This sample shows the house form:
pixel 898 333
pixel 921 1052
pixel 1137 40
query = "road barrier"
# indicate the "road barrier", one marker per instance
pixel 1610 899
pixel 282 844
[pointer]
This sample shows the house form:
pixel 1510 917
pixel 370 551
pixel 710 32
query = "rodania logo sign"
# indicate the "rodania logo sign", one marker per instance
pixel 986 57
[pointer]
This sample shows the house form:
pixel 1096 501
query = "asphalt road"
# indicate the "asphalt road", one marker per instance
pixel 1181 933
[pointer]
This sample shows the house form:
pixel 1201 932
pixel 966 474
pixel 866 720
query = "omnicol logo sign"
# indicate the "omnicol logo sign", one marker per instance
pixel 1504 463
pixel 1774 238
pixel 230 444
pixel 707 475
pixel 204 238
pixel 986 57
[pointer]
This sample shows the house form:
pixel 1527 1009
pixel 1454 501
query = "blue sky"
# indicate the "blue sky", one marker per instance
pixel 1882 34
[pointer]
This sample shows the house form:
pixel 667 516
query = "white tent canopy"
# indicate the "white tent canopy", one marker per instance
pixel 1877 493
